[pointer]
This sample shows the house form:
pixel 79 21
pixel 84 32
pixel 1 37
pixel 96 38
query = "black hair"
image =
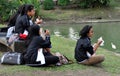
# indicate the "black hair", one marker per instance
pixel 22 10
pixel 13 18
pixel 85 30
pixel 28 7
pixel 33 31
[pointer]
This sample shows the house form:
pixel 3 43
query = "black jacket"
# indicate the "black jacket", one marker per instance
pixel 82 47
pixel 22 23
pixel 32 50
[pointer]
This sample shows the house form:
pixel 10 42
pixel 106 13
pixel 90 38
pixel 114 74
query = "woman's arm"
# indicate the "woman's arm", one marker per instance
pixel 45 43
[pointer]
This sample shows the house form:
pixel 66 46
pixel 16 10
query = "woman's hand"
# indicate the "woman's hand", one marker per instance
pixel 47 32
pixel 38 21
pixel 99 42
pixel 96 45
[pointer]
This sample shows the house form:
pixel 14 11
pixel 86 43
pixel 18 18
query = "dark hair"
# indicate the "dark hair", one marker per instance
pixel 13 18
pixel 85 30
pixel 22 10
pixel 28 7
pixel 33 31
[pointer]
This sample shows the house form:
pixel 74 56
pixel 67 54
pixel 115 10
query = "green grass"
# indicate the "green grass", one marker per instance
pixel 66 47
pixel 1 25
pixel 115 3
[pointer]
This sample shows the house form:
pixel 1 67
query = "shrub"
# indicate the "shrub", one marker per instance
pixel 63 2
pixel 91 3
pixel 7 8
pixel 48 4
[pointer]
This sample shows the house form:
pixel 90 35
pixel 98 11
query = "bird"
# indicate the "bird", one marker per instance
pixel 113 45
pixel 57 33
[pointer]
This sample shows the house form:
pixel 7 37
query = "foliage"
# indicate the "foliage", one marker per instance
pixel 91 3
pixel 9 7
pixel 48 4
pixel 63 2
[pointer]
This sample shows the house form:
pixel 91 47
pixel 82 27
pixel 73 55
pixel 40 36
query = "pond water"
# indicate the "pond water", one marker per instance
pixel 109 32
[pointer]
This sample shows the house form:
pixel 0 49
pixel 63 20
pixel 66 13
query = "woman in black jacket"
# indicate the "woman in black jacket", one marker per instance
pixel 36 43
pixel 24 21
pixel 12 21
pixel 84 51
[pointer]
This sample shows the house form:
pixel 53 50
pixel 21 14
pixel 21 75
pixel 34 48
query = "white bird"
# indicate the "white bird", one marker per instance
pixel 113 45
pixel 57 33
pixel 101 39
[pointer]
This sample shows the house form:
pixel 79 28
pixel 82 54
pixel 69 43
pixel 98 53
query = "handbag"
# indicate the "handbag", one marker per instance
pixel 11 58
pixel 22 36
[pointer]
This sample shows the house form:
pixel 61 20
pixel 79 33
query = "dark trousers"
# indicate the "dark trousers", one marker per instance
pixel 51 60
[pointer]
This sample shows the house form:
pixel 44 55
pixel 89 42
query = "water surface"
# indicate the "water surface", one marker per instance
pixel 110 32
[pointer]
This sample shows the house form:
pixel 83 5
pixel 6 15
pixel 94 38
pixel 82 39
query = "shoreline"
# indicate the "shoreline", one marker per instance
pixel 48 22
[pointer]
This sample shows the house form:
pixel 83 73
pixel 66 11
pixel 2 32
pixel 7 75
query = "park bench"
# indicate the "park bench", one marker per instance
pixel 17 46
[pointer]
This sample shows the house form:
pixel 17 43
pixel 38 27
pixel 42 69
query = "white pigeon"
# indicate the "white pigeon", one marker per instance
pixel 101 39
pixel 57 33
pixel 113 45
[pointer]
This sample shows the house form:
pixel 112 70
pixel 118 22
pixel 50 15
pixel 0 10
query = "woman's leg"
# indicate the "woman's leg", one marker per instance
pixel 51 60
pixel 93 60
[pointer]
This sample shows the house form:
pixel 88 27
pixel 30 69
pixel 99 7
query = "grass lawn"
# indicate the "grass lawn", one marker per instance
pixel 115 3
pixel 66 47
pixel 2 25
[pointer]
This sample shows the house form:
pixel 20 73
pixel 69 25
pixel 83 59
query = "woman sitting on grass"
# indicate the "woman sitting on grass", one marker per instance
pixel 36 52
pixel 84 51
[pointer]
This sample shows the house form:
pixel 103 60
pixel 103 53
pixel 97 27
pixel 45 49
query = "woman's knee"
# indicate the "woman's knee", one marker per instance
pixel 101 58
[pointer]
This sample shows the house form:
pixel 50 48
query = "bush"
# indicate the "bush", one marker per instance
pixel 9 7
pixel 48 4
pixel 63 2
pixel 91 3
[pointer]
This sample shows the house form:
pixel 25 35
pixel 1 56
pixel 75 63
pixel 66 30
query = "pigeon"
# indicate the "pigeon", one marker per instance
pixel 113 45
pixel 57 33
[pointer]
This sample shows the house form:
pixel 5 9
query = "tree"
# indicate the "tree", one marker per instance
pixel 9 7
pixel 48 4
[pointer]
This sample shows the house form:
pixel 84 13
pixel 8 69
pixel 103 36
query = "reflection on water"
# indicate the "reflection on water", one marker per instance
pixel 57 33
pixel 72 34
pixel 110 32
